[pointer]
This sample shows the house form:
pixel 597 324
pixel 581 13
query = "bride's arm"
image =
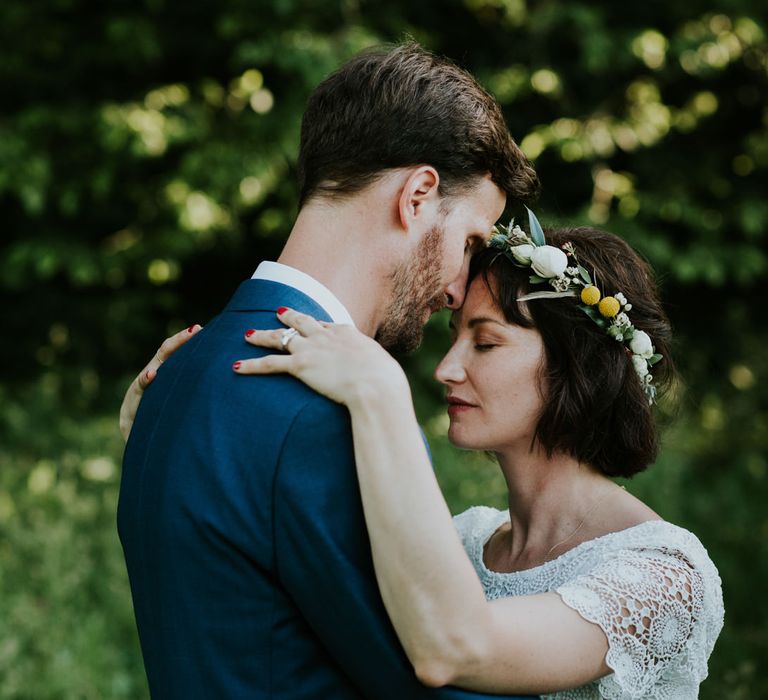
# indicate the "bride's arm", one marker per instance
pixel 451 634
pixel 143 379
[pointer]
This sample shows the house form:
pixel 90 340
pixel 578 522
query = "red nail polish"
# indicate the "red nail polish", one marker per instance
pixel 236 366
pixel 249 333
pixel 282 310
pixel 190 329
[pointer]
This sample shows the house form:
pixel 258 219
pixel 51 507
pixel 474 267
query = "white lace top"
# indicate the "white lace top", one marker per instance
pixel 652 589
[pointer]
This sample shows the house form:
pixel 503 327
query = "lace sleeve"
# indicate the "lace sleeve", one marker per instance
pixel 661 612
pixel 471 521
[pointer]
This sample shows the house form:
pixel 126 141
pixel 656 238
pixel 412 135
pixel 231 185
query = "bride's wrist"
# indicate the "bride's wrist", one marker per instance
pixel 386 384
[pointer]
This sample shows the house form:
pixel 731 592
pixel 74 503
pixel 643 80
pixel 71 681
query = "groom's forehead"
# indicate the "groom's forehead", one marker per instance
pixel 483 200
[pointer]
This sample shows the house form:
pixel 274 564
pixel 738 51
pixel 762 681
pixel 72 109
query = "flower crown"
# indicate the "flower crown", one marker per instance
pixel 551 265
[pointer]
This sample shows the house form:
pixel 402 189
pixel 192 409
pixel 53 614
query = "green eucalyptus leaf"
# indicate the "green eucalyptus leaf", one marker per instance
pixel 654 359
pixel 594 315
pixel 585 274
pixel 535 279
pixel 537 233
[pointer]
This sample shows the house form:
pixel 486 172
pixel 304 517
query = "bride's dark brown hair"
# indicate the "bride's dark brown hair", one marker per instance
pixel 594 406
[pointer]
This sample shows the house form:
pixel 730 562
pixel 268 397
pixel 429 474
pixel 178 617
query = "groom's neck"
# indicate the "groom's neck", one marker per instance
pixel 344 247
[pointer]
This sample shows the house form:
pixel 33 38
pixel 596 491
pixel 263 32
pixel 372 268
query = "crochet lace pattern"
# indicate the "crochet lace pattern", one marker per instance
pixel 651 588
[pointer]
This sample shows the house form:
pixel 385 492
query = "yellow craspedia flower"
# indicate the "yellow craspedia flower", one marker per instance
pixel 590 295
pixel 609 307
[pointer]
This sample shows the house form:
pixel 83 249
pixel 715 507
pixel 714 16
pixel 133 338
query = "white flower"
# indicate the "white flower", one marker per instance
pixel 627 307
pixel 560 284
pixel 622 320
pixel 516 235
pixel 620 298
pixel 572 271
pixel 522 253
pixel 548 261
pixel 641 345
pixel 615 333
pixel 641 366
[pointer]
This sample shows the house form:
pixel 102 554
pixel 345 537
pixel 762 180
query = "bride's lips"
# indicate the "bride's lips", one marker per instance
pixel 457 405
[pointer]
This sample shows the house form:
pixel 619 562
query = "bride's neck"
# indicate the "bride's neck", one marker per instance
pixel 548 497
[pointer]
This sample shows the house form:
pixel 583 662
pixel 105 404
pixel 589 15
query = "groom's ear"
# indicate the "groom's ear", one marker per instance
pixel 419 198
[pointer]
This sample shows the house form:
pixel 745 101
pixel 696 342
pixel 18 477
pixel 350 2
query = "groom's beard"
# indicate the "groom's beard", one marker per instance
pixel 417 288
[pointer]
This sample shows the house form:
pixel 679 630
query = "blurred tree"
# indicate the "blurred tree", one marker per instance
pixel 147 156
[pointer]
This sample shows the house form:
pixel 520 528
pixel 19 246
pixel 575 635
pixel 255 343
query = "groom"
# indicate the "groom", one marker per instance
pixel 239 511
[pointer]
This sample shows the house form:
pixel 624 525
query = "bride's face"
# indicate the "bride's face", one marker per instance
pixel 493 375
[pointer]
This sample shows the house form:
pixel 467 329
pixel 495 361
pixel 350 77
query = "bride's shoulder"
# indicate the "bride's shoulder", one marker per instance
pixel 634 526
pixel 675 540
pixel 658 534
pixel 658 544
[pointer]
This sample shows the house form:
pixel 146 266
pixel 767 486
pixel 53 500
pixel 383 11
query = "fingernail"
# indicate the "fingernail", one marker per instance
pixel 236 366
pixel 249 333
pixel 282 310
pixel 191 328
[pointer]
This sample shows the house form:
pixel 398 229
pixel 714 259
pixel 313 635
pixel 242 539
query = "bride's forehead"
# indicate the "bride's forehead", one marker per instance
pixel 478 297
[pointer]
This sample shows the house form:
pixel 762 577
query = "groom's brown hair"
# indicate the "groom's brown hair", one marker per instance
pixel 395 107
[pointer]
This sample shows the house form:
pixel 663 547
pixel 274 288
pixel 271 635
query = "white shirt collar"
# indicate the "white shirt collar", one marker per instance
pixel 319 293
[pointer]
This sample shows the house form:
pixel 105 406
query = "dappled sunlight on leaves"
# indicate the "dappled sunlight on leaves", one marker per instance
pixel 148 163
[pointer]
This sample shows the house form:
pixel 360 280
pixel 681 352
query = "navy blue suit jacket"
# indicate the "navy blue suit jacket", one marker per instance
pixel 243 531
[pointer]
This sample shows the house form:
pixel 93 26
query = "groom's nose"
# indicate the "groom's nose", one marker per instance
pixel 457 289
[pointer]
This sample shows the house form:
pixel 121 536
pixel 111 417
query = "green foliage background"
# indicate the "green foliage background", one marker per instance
pixel 147 156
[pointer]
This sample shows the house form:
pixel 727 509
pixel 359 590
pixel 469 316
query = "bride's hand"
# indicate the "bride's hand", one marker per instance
pixel 132 397
pixel 335 360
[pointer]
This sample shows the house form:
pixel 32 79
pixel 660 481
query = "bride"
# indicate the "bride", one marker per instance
pixel 578 590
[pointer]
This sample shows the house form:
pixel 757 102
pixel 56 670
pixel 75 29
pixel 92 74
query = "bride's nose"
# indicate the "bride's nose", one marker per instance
pixel 451 369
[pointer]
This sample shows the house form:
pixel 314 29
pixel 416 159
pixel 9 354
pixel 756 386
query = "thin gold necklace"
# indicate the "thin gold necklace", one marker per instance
pixel 578 527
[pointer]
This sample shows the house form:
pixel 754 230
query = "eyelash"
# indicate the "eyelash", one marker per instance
pixel 484 347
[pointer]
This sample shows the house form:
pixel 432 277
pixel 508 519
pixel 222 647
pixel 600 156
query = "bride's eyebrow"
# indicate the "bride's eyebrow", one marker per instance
pixel 475 322
pixel 483 319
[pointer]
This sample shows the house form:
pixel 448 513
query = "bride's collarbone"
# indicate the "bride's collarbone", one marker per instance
pixel 501 555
